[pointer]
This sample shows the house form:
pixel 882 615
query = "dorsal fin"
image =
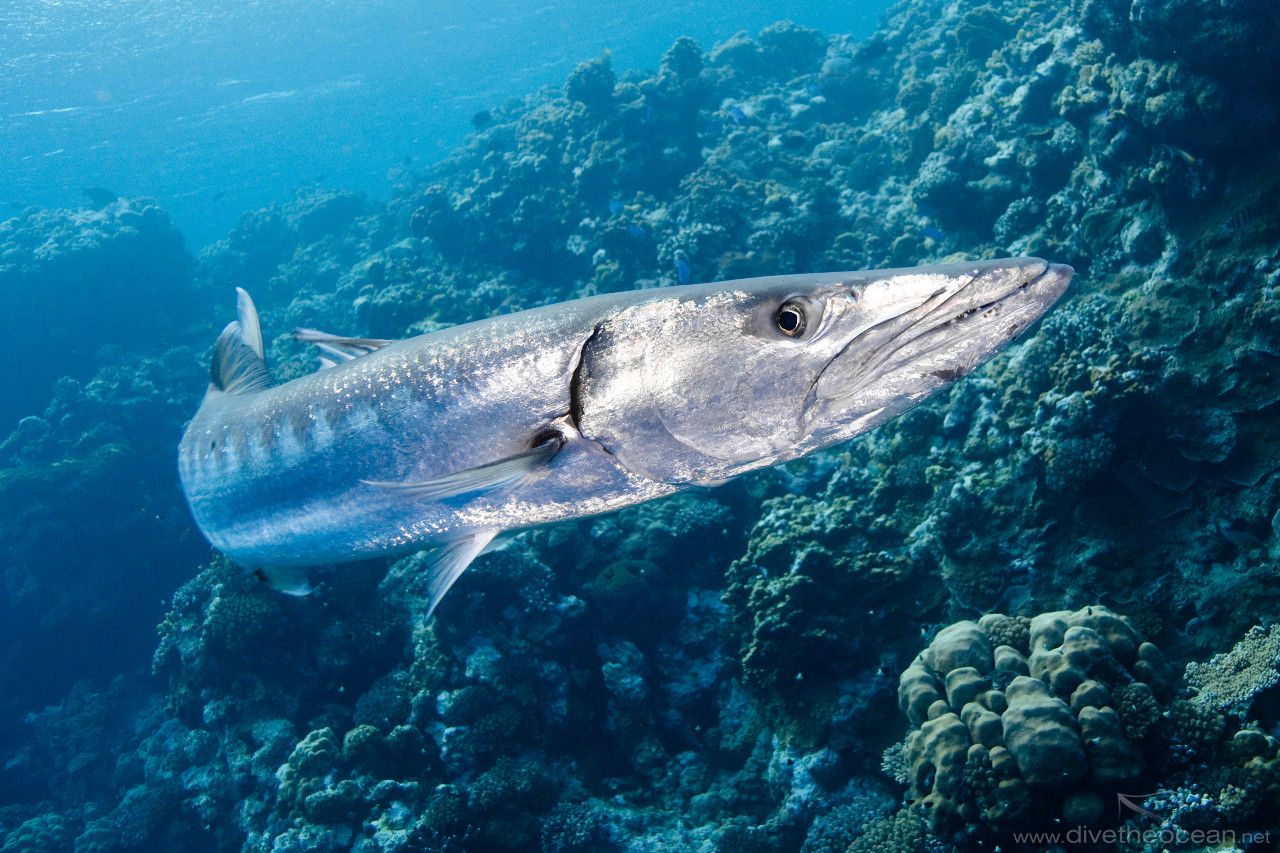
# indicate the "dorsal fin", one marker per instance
pixel 247 314
pixel 238 366
pixel 339 348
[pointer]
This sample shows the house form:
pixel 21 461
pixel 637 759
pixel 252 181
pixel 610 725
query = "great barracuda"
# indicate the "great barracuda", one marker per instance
pixel 574 409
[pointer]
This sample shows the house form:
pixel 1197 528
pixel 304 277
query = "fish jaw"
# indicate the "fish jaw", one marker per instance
pixel 890 367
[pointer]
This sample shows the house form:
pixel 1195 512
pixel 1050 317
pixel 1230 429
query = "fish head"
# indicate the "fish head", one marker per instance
pixel 702 383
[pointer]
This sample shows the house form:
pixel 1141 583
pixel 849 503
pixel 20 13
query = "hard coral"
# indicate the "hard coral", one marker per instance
pixel 993 726
pixel 901 832
pixel 805 557
pixel 41 834
pixel 104 262
pixel 789 48
pixel 304 772
pixel 1230 680
pixel 592 83
pixel 683 58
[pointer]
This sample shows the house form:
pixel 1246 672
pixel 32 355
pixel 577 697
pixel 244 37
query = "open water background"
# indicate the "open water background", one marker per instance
pixel 214 107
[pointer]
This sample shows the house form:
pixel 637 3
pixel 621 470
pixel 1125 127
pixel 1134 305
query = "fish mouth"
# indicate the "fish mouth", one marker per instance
pixel 994 309
pixel 977 310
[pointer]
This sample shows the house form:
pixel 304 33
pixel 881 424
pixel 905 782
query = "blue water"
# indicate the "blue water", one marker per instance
pixel 214 107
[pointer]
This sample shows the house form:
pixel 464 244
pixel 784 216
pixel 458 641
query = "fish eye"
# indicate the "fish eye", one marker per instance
pixel 790 319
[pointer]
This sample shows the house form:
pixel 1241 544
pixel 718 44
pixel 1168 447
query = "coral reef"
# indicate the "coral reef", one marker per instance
pixel 1229 681
pixel 716 671
pixel 117 275
pixel 90 515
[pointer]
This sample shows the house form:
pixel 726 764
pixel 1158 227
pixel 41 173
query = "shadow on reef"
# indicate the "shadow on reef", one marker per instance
pixel 716 672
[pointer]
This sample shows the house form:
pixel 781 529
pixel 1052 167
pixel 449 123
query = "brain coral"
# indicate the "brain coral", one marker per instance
pixel 1006 712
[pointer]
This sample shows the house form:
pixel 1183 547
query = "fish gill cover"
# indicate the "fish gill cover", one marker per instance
pixel 968 626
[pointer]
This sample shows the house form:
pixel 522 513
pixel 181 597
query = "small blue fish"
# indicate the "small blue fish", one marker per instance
pixel 814 90
pixel 615 206
pixel 636 231
pixel 737 114
pixel 933 234
pixel 682 271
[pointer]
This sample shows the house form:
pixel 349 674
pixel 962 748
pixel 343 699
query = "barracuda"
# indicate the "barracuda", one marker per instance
pixel 448 439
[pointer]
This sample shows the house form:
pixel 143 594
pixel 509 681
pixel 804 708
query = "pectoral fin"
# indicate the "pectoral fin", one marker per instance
pixel 500 476
pixel 447 565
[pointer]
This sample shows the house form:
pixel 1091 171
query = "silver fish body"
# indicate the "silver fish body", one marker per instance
pixel 575 409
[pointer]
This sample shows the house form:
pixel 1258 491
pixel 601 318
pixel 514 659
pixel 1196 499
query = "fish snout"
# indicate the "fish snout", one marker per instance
pixel 993 281
pixel 884 370
pixel 1054 281
pixel 1015 292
